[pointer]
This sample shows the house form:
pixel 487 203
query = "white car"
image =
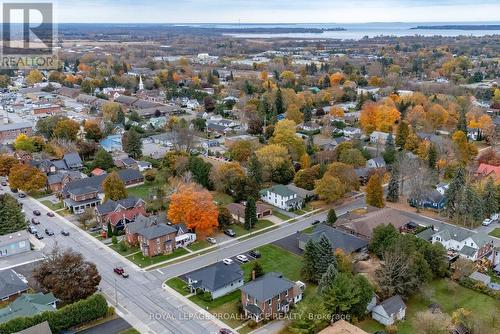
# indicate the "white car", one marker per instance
pixel 211 240
pixel 227 261
pixel 494 216
pixel 242 258
pixel 487 222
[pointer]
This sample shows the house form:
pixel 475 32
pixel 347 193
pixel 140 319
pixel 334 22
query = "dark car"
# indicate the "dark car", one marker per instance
pixel 49 232
pixel 4 183
pixel 14 190
pixel 21 195
pixel 35 221
pixel 225 331
pixel 119 270
pixel 36 213
pixel 50 214
pixel 38 236
pixel 316 222
pixel 254 253
pixel 65 233
pixel 230 233
pixel 95 228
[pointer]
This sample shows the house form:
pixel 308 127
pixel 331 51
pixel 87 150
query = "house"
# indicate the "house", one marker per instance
pixel 431 199
pixel 342 327
pixel 269 296
pixel 126 162
pixel 237 211
pixel 144 165
pixel 339 239
pixel 282 197
pixel 474 134
pixel 112 143
pixel 156 239
pixel 28 305
pixel 9 132
pixel 377 162
pixel 351 132
pixel 41 328
pixel 464 242
pixel 97 171
pixel 442 187
pixel 389 311
pixel 309 127
pixel 87 192
pixel 57 181
pixel 363 174
pixel 119 213
pixel 14 243
pixel 480 277
pixel 485 171
pixel 219 279
pixel 11 284
pixel 377 137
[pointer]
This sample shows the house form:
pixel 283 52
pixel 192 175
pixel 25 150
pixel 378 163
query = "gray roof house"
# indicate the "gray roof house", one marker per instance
pixel 377 162
pixel 389 311
pixel 219 279
pixel 339 239
pixel 28 305
pixel 287 197
pixel 14 243
pixel 480 277
pixel 11 284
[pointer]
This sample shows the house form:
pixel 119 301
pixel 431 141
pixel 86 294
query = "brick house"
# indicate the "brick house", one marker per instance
pixel 57 181
pixel 157 239
pixel 9 132
pixel 269 296
pixel 120 213
pixel 237 211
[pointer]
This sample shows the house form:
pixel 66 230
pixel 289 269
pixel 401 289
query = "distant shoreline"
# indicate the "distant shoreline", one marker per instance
pixel 460 27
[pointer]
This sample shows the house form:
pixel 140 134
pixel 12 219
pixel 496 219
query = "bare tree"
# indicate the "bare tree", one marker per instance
pixel 432 323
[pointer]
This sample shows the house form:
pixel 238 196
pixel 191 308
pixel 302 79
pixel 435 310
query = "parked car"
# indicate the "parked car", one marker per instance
pixel 49 232
pixel 120 271
pixel 227 261
pixel 35 221
pixel 14 190
pixel 316 222
pixel 211 240
pixel 95 228
pixel 225 331
pixel 36 213
pixel 21 195
pixel 38 236
pixel 65 233
pixel 230 233
pixel 32 229
pixel 487 222
pixel 50 214
pixel 4 183
pixel 494 216
pixel 254 253
pixel 242 258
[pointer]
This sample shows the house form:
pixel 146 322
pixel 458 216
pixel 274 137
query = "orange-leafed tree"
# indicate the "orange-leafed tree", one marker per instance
pixel 379 116
pixel 194 207
pixel 27 178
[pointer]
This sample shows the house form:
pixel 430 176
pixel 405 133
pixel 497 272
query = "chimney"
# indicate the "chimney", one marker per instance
pixel 253 275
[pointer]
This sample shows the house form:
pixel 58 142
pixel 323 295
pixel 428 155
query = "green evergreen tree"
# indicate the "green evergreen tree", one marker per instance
pixel 132 143
pixel 365 294
pixel 325 257
pixel 120 117
pixel 453 192
pixel 109 230
pixel 490 198
pixel 402 134
pixel 462 122
pixel 11 217
pixel 341 296
pixel 257 270
pixel 307 114
pixel 390 150
pixel 393 188
pixel 432 156
pixel 254 169
pixel 331 218
pixel 250 214
pixel 474 205
pixel 279 104
pixel 309 259
pixel 326 280
pixel 201 171
pixel 103 160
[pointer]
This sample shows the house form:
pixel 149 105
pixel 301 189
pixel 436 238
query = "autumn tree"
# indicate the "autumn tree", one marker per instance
pixel 195 208
pixel 271 157
pixel 378 116
pixel 293 113
pixel 353 157
pixel 6 163
pixel 241 150
pixel 29 144
pixel 305 178
pixel 27 178
pixel 103 160
pixel 33 77
pixel 374 191
pixel 285 135
pixel 66 129
pixel 345 173
pixel 110 111
pixel 464 151
pixel 402 133
pixel 59 272
pixel 113 187
pixel 11 217
pixel 228 178
pixel 329 188
pixel 92 130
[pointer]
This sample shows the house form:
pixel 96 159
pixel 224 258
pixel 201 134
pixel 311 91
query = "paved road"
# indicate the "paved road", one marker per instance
pixel 142 301
pixel 114 326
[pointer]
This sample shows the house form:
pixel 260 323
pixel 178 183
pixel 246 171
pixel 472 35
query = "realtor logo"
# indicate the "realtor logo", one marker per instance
pixel 27 36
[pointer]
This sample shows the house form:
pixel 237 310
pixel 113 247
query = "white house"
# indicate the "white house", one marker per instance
pixel 389 311
pixel 377 137
pixel 144 165
pixel 351 132
pixel 282 197
pixel 377 162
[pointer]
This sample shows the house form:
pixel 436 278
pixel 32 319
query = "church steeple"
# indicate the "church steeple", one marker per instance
pixel 141 84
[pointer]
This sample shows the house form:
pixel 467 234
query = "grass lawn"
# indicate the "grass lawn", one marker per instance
pixel 130 331
pixel 449 296
pixel 221 198
pixel 143 261
pixel 128 251
pixel 143 190
pixel 210 305
pixel 51 205
pixel 277 259
pixel 178 285
pixel 230 313
pixel 240 229
pixel 200 244
pixel 259 232
pixel 495 233
pixel 280 215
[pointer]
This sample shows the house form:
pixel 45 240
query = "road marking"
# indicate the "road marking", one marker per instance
pixel 158 270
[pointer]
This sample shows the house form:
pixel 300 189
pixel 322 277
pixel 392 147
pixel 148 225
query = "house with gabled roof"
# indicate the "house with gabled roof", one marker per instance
pixel 268 296
pixel 390 311
pixel 219 279
pixel 339 239
pixel 11 284
pixel 287 197
pixel 28 305
pixel 120 213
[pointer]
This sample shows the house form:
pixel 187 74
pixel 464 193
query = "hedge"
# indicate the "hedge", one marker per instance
pixel 71 315
pixel 479 287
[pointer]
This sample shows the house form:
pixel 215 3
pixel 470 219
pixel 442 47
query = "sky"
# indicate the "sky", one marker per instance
pixel 275 11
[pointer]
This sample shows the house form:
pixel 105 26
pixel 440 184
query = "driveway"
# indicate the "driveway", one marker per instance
pixel 290 243
pixel 114 326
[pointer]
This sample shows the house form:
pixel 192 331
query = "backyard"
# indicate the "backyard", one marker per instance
pixel 449 296
pixel 142 191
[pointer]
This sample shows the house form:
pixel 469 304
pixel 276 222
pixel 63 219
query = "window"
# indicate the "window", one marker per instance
pixel 269 302
pixel 286 293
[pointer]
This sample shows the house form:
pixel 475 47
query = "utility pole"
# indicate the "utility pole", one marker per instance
pixel 116 295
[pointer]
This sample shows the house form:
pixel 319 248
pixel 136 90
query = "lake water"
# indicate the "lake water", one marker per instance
pixel 360 30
